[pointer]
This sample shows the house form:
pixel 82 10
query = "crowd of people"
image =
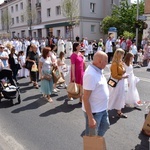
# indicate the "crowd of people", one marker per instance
pixel 37 60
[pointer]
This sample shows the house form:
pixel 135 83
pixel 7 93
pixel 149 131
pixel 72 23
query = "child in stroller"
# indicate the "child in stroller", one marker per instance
pixel 8 88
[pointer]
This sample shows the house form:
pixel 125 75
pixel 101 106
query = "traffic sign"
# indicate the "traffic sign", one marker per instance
pixel 143 18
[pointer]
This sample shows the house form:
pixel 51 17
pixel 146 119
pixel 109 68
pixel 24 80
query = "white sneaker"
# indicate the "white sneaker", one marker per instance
pixel 57 90
pixel 65 85
pixel 71 99
pixel 54 90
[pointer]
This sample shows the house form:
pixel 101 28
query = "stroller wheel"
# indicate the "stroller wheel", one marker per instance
pixel 19 99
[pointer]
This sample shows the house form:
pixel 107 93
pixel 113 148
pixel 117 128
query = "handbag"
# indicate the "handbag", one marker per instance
pixel 28 65
pixel 112 82
pixel 94 143
pixel 73 88
pixel 146 126
pixel 47 77
pixel 18 66
pixel 34 68
pixel 56 75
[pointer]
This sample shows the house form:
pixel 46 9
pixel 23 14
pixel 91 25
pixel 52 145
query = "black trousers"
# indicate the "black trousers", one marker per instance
pixel 110 55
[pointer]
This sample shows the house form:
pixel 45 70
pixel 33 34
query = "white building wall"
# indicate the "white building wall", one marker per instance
pixel 86 17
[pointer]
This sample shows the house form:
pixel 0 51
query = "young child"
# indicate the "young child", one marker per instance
pixel 140 57
pixel 90 51
pixel 23 72
pixel 132 96
pixel 62 66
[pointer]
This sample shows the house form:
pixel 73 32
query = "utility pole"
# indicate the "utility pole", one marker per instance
pixel 137 17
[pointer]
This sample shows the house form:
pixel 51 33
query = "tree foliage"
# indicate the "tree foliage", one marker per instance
pixel 70 11
pixel 126 17
pixel 6 20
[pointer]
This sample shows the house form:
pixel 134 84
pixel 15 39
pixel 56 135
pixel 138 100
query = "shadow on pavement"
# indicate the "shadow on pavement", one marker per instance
pixel 65 107
pixel 6 104
pixel 83 133
pixel 113 117
pixel 34 105
pixel 32 97
pixel 144 145
pixel 62 98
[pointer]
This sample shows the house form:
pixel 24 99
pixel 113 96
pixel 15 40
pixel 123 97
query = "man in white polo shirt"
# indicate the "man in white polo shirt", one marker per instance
pixel 96 95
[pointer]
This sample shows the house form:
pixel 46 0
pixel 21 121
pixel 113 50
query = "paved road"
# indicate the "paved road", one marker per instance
pixel 36 124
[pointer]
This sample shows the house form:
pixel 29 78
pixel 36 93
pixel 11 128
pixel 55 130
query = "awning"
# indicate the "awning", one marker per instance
pixel 57 25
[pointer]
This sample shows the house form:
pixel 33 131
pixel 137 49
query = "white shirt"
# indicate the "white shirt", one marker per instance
pixel 108 47
pixel 4 54
pixel 95 81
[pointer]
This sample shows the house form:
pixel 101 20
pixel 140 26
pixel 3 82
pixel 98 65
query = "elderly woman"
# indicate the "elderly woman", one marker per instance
pixel 33 58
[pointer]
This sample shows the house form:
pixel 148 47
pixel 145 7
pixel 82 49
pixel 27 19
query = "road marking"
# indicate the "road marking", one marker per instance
pixel 7 142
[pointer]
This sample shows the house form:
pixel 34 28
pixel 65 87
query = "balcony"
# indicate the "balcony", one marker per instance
pixel 38 5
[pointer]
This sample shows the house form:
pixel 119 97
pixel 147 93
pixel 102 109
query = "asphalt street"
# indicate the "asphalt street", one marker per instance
pixel 36 124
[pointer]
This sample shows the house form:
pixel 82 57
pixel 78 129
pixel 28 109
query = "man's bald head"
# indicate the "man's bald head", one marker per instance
pixel 100 59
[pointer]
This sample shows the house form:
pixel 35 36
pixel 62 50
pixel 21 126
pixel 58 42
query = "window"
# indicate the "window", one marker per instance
pixel 22 18
pixel 12 21
pixel 21 5
pixel 17 7
pixel 23 33
pixel 92 28
pixel 17 19
pixel 92 7
pixel 58 10
pixel 12 9
pixel 48 12
pixel 34 33
pixel 58 33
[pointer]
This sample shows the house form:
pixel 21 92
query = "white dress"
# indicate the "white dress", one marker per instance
pixel 69 48
pixel 132 97
pixel 23 72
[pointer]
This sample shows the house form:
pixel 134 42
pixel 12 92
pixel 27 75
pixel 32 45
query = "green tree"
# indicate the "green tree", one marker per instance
pixel 126 16
pixel 70 11
pixel 6 20
pixel 30 16
pixel 109 22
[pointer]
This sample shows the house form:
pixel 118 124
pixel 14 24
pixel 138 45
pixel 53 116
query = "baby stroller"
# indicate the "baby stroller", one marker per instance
pixel 8 88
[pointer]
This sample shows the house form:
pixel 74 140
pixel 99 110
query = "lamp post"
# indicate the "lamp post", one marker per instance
pixel 137 17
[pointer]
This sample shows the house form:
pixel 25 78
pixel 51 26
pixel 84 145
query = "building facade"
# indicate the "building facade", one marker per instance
pixel 42 18
pixel 146 32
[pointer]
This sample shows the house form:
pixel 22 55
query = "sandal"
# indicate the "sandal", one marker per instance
pixel 50 100
pixel 122 115
pixel 36 85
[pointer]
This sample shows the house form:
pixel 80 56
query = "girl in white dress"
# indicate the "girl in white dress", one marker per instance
pixel 62 66
pixel 23 72
pixel 132 96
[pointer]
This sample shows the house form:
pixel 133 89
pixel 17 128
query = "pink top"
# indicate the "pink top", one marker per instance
pixel 78 61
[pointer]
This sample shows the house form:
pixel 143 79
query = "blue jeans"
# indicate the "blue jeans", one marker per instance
pixel 102 124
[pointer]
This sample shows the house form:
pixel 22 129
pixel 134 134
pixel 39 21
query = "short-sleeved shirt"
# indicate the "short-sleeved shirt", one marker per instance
pixel 95 81
pixel 47 63
pixel 4 54
pixel 34 56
